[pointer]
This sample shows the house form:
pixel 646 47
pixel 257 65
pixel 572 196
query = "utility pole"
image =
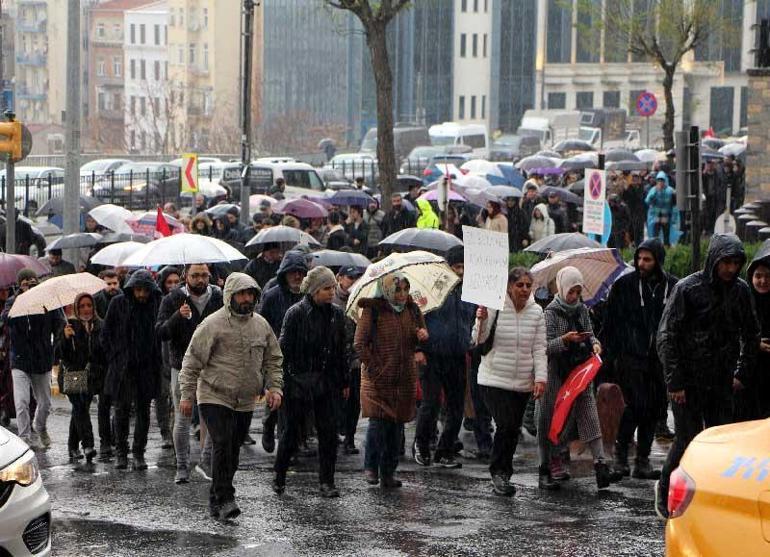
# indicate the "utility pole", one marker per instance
pixel 10 198
pixel 247 51
pixel 72 123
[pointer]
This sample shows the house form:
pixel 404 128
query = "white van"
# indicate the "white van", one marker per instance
pixel 474 136
pixel 301 178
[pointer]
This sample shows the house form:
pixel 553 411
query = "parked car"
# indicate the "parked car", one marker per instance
pixel 511 148
pixel 99 167
pixel 419 157
pixel 34 185
pixel 201 161
pixel 136 184
pixel 334 179
pixel 405 138
pixel 25 507
pixel 300 177
pixel 353 165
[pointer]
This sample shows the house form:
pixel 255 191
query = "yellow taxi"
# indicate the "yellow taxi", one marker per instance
pixel 719 497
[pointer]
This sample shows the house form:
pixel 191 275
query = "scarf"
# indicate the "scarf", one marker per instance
pixel 386 289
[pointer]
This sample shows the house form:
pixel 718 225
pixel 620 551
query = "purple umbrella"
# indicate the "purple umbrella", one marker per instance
pixel 351 197
pixel 550 171
pixel 301 208
pixel 322 201
pixel 433 196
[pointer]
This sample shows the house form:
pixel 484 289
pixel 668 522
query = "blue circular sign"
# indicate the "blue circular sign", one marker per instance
pixel 646 104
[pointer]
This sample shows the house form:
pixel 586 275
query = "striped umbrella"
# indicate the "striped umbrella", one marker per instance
pixel 600 268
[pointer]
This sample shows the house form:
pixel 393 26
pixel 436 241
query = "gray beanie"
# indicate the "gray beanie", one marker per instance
pixel 316 279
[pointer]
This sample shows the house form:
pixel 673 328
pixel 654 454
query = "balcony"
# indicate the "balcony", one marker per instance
pixel 33 27
pixel 31 59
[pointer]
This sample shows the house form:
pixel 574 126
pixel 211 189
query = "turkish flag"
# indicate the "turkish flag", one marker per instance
pixel 577 381
pixel 161 224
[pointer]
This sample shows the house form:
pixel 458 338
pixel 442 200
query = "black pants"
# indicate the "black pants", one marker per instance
pixel 447 373
pixel 104 408
pixel 141 425
pixel 507 409
pixel 81 431
pixel 350 409
pixel 666 228
pixel 634 420
pixel 482 425
pixel 227 429
pixel 702 407
pixel 296 413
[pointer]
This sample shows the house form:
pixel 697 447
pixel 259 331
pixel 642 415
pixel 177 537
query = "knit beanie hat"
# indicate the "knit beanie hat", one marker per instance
pixel 25 274
pixel 566 279
pixel 316 279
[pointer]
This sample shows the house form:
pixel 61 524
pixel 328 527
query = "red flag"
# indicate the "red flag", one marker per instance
pixel 161 224
pixel 576 382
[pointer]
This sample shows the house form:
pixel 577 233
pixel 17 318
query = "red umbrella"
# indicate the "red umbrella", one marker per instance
pixel 300 208
pixel 11 264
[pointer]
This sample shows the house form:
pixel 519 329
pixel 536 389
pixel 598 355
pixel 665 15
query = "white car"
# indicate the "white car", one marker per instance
pixel 44 182
pixel 25 508
pixel 99 167
pixel 354 165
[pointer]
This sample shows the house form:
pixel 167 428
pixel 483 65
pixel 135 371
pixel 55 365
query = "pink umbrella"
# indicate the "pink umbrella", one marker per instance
pixel 11 264
pixel 300 208
pixel 432 195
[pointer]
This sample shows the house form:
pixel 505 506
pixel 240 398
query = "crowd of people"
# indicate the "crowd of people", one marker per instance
pixel 208 344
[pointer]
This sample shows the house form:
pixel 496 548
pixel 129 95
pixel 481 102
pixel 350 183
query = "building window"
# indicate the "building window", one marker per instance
pixel 744 119
pixel 117 66
pixel 171 18
pixel 475 45
pixel 132 65
pixel 102 102
pixel 142 34
pixel 117 102
pixel 473 107
pixel 191 61
pixel 165 34
pixel 133 105
pixel 142 106
pixel 133 33
pixel 144 140
pixel 157 70
pixel 117 31
pixel 165 69
pixel 632 96
pixel 133 139
pixel 463 44
pixel 611 99
pixel 721 118
pixel 180 51
pixel 557 100
pixel 181 17
pixel 205 56
pixel 461 108
pixel 483 107
pixel 476 6
pixel 142 70
pixel 156 105
pixel 100 31
pixel 464 6
pixel 559 49
pixel 584 99
pixel 205 18
pixel 100 67
pixel 485 46
pixel 157 35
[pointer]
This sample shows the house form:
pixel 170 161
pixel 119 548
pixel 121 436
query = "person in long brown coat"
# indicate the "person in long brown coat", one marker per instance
pixel 388 332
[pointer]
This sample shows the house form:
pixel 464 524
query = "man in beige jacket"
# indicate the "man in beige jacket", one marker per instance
pixel 232 357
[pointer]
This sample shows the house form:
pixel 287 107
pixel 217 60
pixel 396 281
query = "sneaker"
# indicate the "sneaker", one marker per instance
pixel 139 462
pixel 621 465
pixel 458 447
pixel 349 448
pixel 121 462
pixel 329 491
pixel 421 457
pixel 182 475
pixel 229 511
pixel 643 470
pixel 45 439
pixel 501 486
pixel 545 481
pixel 390 482
pixel 268 440
pixel 75 455
pixel 661 503
pixel 448 462
pixel 372 477
pixel 469 424
pixel 203 470
pixel 559 472
pixel 248 440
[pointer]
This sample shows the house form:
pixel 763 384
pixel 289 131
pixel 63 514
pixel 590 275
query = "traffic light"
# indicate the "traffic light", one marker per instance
pixel 11 144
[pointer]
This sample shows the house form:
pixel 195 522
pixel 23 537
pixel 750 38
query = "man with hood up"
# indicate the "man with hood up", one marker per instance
pixel 707 341
pixel 758 276
pixel 232 357
pixel 135 361
pixel 275 303
pixel 634 308
pixel 660 203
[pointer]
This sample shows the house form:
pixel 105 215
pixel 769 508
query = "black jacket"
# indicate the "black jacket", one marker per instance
pixel 177 330
pixel 360 233
pixel 395 221
pixel 261 271
pixel 762 305
pixel 276 301
pixel 709 332
pixel 313 341
pixel 102 301
pixel 31 336
pixel 84 349
pixel 133 348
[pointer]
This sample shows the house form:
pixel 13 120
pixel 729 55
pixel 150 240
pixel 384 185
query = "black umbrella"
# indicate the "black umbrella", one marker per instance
pixel 428 239
pixel 562 242
pixel 79 240
pixel 628 166
pixel 707 153
pixel 565 195
pixel 115 237
pixel 221 209
pixel 577 187
pixel 548 153
pixel 332 258
pixel 569 145
pixel 285 235
pixel 528 163
pixel 620 155
pixel 55 205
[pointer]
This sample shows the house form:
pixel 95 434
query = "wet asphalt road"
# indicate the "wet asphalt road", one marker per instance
pixel 438 512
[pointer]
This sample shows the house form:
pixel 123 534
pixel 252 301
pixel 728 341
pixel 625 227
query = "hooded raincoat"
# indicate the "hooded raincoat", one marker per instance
pixel 276 301
pixel 541 228
pixel 762 306
pixel 427 218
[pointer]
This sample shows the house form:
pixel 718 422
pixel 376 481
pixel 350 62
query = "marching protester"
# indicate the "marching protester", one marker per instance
pixel 59 266
pixel 398 218
pixel 79 346
pixel 541 225
pixel 103 297
pixel 634 308
pixel 168 280
pixel 232 357
pixel 357 230
pixel 513 368
pixel 660 203
pixel 180 313
pixel 264 267
pixel 427 218
pixel 388 332
pixel 134 362
pixel 758 276
pixel 373 218
pixel 496 220
pixel 315 370
pixel 707 341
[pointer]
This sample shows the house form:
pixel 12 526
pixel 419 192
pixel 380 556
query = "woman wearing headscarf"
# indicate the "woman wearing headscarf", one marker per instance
pixel 389 329
pixel 541 225
pixel 427 218
pixel 514 368
pixel 758 275
pixel 570 342
pixel 79 346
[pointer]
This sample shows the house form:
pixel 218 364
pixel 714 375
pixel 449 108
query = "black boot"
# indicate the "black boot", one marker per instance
pixel 621 459
pixel 544 479
pixel 121 462
pixel 139 462
pixel 643 470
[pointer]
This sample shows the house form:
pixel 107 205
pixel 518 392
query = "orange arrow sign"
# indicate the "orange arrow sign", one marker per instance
pixel 190 182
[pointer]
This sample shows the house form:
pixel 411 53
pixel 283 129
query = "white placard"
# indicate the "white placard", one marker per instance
pixel 486 267
pixel 594 196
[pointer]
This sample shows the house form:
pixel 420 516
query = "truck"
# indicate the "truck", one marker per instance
pixel 550 126
pixel 605 128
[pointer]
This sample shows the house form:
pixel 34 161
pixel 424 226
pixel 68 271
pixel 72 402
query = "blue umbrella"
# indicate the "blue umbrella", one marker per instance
pixel 511 174
pixel 351 197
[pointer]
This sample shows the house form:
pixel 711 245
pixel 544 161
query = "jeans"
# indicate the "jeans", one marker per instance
pixel 482 425
pixel 141 425
pixel 702 407
pixel 296 413
pixel 227 429
pixel 81 430
pixel 106 434
pixel 447 373
pixel 507 408
pixel 383 440
pixel 182 426
pixel 40 385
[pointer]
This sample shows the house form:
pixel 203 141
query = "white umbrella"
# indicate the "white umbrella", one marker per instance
pixel 115 254
pixel 476 182
pixel 430 279
pixel 482 167
pixel 113 217
pixel 647 155
pixel 55 293
pixel 183 249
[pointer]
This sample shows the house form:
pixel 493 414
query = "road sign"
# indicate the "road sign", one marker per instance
pixel 646 104
pixel 595 192
pixel 190 173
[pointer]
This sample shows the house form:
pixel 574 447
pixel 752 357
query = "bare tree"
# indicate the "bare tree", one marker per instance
pixel 375 17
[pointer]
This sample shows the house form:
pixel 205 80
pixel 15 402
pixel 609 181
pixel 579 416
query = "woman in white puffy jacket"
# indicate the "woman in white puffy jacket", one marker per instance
pixel 515 368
